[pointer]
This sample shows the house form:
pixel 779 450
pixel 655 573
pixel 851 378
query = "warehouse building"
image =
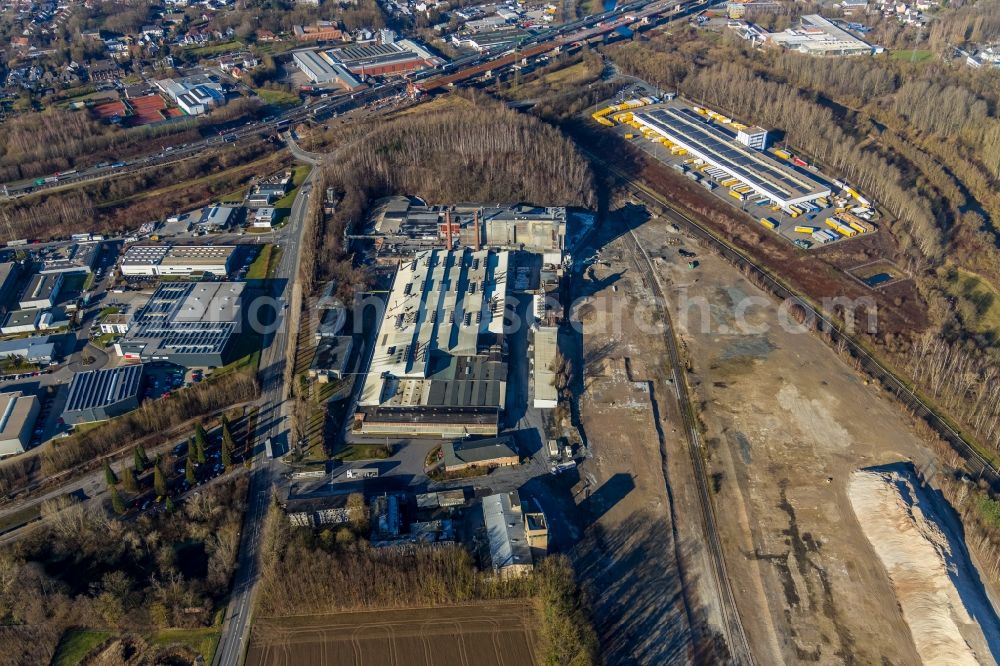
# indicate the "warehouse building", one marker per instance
pixel 98 395
pixel 484 453
pixel 42 291
pixel 322 69
pixel 74 258
pixel 405 226
pixel 516 532
pixel 39 349
pixel 8 276
pixel 190 324
pixel 331 357
pixel 546 339
pixel 817 36
pixel 18 413
pixel 720 148
pixel 21 321
pixel 389 57
pixel 437 368
pixel 183 260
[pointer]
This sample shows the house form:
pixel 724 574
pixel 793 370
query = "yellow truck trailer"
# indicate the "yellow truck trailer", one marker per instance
pixel 783 154
pixel 769 223
pixel 802 229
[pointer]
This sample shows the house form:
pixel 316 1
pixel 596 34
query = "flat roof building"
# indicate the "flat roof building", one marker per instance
pixel 37 349
pixel 18 413
pixel 373 59
pixel 21 321
pixel 765 175
pixel 42 291
pixel 156 260
pixel 190 324
pixel 75 258
pixel 330 360
pixel 437 367
pixel 98 395
pixel 406 226
pixel 322 69
pixel 817 36
pixel 8 274
pixel 486 453
pixel 546 340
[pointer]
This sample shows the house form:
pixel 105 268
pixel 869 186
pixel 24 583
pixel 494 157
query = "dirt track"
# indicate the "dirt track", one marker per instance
pixel 489 634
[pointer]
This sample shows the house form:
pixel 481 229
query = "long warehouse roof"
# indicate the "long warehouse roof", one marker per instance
pixel 758 170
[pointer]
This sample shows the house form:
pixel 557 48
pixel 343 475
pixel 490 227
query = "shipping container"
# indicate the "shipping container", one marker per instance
pixel 782 154
pixel 737 195
pixel 798 162
pixel 806 230
pixel 769 223
pixel 708 185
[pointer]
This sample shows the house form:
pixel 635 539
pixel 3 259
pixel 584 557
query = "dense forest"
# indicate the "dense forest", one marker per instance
pixel 86 568
pixel 478 150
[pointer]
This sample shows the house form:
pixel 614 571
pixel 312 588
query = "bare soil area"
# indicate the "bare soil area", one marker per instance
pixel 491 634
pixel 786 423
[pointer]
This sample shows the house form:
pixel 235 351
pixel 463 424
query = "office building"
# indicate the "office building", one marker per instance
pixel 437 368
pixel 21 321
pixel 97 395
pixel 18 413
pixel 190 324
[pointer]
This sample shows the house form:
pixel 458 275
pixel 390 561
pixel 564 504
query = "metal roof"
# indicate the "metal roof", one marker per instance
pixel 101 388
pixel 505 530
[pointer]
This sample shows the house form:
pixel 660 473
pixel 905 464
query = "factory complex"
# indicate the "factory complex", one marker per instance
pixel 348 66
pixel 404 225
pixel 437 367
pixel 817 36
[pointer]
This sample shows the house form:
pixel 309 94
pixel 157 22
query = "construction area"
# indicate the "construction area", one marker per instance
pixel 735 163
pixel 487 634
pixel 786 425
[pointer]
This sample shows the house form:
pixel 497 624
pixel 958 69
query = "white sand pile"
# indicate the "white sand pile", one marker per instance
pixel 936 585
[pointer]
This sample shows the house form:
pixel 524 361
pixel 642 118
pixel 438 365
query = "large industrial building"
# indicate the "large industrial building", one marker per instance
pixel 347 66
pixel 404 226
pixel 8 276
pixel 156 260
pixel 190 324
pixel 770 178
pixel 543 374
pixel 437 368
pixel 817 36
pixel 484 453
pixel 97 395
pixel 17 418
pixel 75 258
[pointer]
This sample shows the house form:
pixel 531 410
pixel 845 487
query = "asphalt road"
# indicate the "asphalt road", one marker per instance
pixel 271 422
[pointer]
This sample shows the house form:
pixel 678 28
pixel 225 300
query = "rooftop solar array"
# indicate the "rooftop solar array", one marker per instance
pixel 100 388
pixel 758 170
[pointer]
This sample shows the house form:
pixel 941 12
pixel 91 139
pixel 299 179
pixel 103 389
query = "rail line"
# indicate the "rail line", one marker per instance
pixel 976 464
pixel 736 637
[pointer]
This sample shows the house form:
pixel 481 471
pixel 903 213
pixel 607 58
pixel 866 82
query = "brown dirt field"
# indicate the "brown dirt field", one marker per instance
pixel 785 423
pixel 488 634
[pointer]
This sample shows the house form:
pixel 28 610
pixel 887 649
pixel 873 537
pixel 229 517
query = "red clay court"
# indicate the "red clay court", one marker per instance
pixel 137 111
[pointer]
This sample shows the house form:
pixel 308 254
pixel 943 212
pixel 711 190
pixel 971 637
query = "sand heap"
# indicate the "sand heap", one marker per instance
pixel 937 587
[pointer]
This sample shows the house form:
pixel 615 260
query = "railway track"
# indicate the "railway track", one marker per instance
pixel 736 637
pixel 976 464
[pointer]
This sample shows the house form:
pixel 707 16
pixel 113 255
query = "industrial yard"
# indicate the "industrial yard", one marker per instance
pixel 736 163
pixel 786 423
pixel 483 634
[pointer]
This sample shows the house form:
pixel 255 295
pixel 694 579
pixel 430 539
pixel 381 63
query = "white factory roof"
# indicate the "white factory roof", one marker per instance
pixel 440 301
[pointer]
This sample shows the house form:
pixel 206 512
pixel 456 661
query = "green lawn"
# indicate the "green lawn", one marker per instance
pixel 75 644
pixel 362 452
pixel 916 55
pixel 978 290
pixel 215 49
pixel 258 269
pixel 277 97
pixel 203 641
